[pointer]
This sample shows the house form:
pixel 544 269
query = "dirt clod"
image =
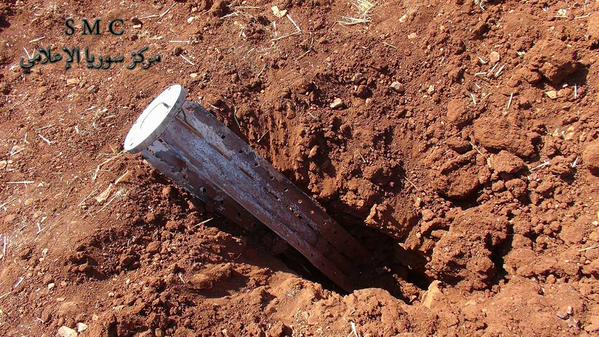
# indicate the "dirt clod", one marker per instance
pixel 553 59
pixel 590 156
pixel 505 162
pixel 458 112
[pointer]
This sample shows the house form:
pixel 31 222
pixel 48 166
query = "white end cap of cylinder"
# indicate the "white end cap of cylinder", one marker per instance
pixel 155 118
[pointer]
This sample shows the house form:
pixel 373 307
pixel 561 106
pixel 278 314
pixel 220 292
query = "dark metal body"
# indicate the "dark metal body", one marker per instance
pixel 202 155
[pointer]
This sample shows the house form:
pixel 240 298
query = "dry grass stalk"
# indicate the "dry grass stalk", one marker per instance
pixel 97 171
pixel 364 8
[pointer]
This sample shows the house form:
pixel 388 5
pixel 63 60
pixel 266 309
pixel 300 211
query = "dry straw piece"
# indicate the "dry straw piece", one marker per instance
pixel 364 8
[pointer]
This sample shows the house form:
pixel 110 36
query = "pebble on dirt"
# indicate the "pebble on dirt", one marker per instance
pixel 65 331
pixel 153 247
pixel 397 87
pixel 337 104
pixel 494 57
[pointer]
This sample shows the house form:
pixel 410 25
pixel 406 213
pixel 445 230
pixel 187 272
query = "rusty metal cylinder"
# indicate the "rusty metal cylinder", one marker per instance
pixel 190 146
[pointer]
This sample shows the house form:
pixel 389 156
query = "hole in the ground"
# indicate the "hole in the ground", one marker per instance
pixel 388 265
pixel 388 262
pixel 498 255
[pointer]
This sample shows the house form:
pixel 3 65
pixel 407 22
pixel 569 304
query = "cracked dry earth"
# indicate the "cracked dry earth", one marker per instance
pixel 458 140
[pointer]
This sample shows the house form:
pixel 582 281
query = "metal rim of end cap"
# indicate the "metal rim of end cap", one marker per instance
pixel 155 118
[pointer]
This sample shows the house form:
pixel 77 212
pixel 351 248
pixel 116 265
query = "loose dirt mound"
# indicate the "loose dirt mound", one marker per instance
pixel 457 139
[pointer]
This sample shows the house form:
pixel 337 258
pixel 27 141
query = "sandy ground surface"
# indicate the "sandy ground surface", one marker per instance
pixel 458 140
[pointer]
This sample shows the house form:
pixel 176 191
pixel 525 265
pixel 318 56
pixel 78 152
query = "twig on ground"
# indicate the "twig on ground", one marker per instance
pixel 95 175
pixel 264 135
pixel 546 163
pixel 410 182
pixel 203 222
pixel 476 148
pixel 123 177
pixel 149 16
pixel 6 203
pixel 473 97
pixel 4 246
pixel 39 225
pixel 509 104
pixel 480 3
pixel 87 197
pixel 118 194
pixel 187 60
pixel 18 283
pixel 235 118
pixel 261 71
pixel 297 27
pixel 166 12
pixel 26 52
pixel 389 45
pixel 44 127
pixel 46 140
pixel 37 39
pixel 362 157
pixel 588 248
pixel 575 162
pixel 354 330
pixel 286 36
pixel 499 71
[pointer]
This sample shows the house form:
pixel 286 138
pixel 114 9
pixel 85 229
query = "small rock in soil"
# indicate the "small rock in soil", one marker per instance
pixel 150 218
pixel 220 8
pixel 494 57
pixel 430 90
pixel 72 81
pixel 68 309
pixel 462 185
pixel 362 91
pixel 397 87
pixel 47 279
pixel 432 295
pixel 167 191
pixel 177 51
pixel 337 104
pixel 153 247
pixel 65 331
pixel 81 327
pixel 551 94
pixel 172 225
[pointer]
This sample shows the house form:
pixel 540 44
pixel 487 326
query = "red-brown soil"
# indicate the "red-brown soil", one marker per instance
pixel 467 145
